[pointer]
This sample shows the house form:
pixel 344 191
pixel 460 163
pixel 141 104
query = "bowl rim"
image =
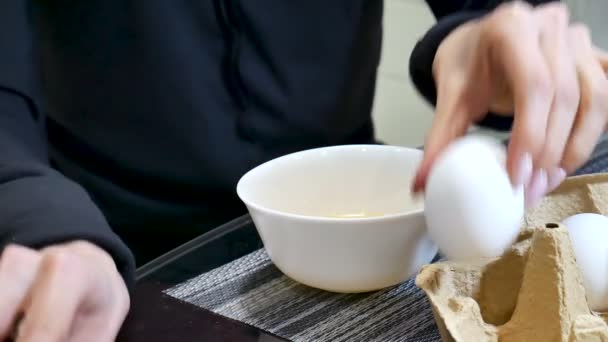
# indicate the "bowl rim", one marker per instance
pixel 265 209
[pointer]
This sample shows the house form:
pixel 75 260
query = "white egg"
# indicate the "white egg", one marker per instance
pixel 472 211
pixel 589 236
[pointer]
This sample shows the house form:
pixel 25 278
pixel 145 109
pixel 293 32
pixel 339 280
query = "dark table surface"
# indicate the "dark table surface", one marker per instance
pixel 155 316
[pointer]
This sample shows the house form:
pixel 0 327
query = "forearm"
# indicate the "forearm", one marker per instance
pixel 41 207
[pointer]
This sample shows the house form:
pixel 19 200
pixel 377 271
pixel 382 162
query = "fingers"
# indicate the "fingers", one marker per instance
pixel 557 86
pixel 555 178
pixel 98 329
pixel 60 287
pixel 111 301
pixel 592 113
pixel 463 95
pixel 516 54
pixel 560 62
pixel 65 292
pixel 554 42
pixel 558 114
pixel 18 268
pixel 536 188
pixel 78 295
pixel 451 121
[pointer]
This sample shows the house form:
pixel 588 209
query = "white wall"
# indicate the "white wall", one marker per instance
pixel 401 115
pixel 594 13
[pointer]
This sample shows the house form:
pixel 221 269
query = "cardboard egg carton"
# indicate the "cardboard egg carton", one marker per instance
pixel 534 291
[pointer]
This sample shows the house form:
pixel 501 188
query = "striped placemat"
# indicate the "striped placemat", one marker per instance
pixel 599 160
pixel 252 290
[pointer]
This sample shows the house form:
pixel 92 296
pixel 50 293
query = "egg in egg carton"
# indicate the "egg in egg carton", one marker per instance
pixel 534 291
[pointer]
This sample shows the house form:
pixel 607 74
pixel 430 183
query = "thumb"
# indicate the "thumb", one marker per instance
pixel 452 120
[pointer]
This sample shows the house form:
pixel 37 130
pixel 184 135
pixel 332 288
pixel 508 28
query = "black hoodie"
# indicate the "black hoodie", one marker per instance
pixel 130 118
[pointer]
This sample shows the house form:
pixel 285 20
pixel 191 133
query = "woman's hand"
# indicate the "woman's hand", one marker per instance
pixel 70 292
pixel 532 63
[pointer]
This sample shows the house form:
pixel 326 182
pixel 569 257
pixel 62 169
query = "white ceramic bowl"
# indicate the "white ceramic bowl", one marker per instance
pixel 296 202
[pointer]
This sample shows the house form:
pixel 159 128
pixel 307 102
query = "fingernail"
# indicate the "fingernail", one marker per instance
pixel 555 178
pixel 524 170
pixel 536 189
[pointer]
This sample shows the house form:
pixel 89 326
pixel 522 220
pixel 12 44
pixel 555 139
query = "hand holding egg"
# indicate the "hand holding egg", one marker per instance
pixel 472 211
pixel 530 63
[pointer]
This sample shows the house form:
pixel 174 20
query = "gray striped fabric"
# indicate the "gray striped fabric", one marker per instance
pixel 253 291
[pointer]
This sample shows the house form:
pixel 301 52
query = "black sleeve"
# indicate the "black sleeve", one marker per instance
pixel 40 206
pixel 449 15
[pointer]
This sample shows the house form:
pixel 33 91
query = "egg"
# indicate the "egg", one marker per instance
pixel 471 209
pixel 589 236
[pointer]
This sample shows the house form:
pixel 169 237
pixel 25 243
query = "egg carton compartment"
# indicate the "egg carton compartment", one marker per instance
pixel 580 194
pixel 534 291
